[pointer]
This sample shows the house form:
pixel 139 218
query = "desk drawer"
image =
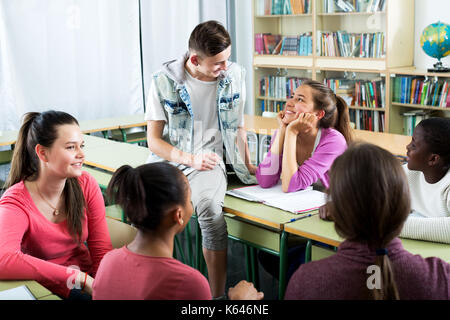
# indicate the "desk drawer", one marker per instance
pixel 256 234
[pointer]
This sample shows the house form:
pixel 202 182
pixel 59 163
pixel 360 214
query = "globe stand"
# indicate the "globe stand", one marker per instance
pixel 439 67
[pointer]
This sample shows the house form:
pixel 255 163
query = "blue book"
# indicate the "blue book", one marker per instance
pixel 403 90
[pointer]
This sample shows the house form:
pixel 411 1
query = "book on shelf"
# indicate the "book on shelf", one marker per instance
pixel 282 7
pixel 300 45
pixel 333 6
pixel 412 118
pixel 278 87
pixel 344 44
pixel 363 93
pixel 421 91
pixel 368 120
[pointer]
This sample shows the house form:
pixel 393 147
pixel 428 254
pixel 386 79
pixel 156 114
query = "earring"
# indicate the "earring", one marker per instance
pixel 182 221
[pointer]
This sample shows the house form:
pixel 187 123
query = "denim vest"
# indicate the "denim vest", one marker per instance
pixel 179 128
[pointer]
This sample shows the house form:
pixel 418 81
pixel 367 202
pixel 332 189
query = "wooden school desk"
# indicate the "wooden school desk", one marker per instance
pixel 110 155
pixel 8 138
pixel 313 228
pixel 394 143
pixel 38 291
pixel 116 123
pixel 260 227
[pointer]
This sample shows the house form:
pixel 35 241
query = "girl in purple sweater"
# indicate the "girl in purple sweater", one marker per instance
pixel 313 130
pixel 371 202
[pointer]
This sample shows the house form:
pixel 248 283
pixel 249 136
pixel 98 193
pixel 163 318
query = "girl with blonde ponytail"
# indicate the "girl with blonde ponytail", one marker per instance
pixel 370 203
pixel 52 215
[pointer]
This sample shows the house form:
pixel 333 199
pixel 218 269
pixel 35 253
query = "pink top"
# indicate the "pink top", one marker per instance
pixel 125 275
pixel 344 275
pixel 331 145
pixel 32 247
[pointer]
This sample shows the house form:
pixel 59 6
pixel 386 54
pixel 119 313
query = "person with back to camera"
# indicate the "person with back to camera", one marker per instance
pixel 195 115
pixel 314 129
pixel 52 215
pixel 371 202
pixel 428 174
pixel 156 199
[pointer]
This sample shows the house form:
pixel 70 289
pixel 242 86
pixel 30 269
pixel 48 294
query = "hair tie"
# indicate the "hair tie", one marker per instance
pixel 381 252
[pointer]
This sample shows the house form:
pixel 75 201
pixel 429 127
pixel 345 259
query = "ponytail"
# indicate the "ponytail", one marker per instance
pixel 147 192
pixel 24 163
pixel 388 289
pixel 342 123
pixel 126 189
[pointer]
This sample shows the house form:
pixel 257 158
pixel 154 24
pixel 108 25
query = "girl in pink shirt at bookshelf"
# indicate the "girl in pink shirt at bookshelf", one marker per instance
pixel 156 199
pixel 52 215
pixel 314 129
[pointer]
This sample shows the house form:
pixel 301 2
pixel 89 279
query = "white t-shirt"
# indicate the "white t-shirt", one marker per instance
pixel 207 136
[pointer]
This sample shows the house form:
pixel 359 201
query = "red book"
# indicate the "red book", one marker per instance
pixel 420 92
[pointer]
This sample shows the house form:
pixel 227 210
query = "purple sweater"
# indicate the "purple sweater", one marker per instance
pixel 343 276
pixel 331 145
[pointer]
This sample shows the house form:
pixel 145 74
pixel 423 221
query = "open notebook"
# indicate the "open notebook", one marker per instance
pixel 295 202
pixel 18 293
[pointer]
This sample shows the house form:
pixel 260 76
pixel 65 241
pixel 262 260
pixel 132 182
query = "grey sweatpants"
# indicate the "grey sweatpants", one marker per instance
pixel 208 192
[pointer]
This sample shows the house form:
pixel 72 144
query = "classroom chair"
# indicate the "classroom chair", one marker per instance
pixel 121 233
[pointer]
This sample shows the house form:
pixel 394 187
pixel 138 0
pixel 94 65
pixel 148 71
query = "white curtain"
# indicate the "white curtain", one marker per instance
pixel 83 56
pixel 78 56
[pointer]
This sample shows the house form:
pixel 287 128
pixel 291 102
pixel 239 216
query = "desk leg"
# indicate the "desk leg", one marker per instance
pixel 105 134
pixel 124 135
pixel 254 265
pixel 283 265
pixel 308 251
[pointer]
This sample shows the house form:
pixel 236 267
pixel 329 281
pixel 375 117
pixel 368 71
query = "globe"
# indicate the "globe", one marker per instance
pixel 435 41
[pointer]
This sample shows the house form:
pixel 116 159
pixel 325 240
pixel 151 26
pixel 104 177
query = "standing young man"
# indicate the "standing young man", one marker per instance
pixel 195 113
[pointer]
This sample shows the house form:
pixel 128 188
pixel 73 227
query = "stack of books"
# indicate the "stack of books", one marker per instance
pixel 266 43
pixel 368 120
pixel 332 6
pixel 412 119
pixel 421 91
pixel 344 44
pixel 281 7
pixel 360 93
pixel 278 87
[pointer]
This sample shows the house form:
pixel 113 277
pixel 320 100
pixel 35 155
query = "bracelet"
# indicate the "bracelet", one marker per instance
pixel 84 283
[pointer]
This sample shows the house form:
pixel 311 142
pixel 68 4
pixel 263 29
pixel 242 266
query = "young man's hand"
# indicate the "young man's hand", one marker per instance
pixel 204 161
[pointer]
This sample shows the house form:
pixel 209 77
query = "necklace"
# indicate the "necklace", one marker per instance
pixel 55 210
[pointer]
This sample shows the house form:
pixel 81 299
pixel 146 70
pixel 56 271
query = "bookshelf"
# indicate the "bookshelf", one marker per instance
pixel 417 94
pixel 392 29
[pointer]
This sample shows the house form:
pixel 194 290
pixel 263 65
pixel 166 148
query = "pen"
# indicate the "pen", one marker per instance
pixel 302 217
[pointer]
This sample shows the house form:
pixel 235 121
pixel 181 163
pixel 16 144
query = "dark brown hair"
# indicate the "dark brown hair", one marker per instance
pixel 209 38
pixel 147 192
pixel 370 203
pixel 42 128
pixel 336 109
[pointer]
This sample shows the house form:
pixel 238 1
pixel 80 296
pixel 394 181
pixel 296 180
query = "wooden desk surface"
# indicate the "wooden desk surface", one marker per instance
pixel 111 155
pixel 115 123
pixel 39 291
pixel 323 231
pixel 394 143
pixel 8 137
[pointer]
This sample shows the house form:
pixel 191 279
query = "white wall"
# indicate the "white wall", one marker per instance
pixel 428 12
